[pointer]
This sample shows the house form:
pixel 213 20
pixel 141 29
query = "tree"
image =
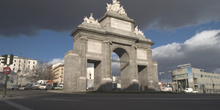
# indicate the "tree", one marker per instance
pixel 49 74
pixel 44 71
pixel 40 71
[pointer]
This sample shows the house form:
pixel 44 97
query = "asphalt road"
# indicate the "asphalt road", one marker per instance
pixel 44 100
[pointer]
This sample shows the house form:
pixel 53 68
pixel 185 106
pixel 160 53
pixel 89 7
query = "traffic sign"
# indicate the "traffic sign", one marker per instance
pixel 7 70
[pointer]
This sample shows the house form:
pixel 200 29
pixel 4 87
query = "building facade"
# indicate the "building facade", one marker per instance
pixel 20 68
pixel 90 78
pixel 189 77
pixel 58 72
pixel 20 64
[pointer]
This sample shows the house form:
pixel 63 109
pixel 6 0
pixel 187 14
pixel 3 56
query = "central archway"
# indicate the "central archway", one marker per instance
pixel 121 78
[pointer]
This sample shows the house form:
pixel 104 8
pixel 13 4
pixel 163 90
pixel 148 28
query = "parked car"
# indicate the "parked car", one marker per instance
pixel 46 87
pixel 22 87
pixel 14 87
pixel 26 87
pixel 190 90
pixel 166 89
pixel 58 87
pixel 36 86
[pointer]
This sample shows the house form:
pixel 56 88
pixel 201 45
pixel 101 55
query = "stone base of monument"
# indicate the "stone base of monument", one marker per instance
pixel 81 84
pixel 106 85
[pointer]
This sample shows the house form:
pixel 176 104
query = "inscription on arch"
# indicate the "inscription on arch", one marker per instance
pixel 120 24
pixel 142 54
pixel 94 46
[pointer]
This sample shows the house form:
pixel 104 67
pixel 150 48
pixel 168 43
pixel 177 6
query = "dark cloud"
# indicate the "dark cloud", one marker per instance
pixel 27 17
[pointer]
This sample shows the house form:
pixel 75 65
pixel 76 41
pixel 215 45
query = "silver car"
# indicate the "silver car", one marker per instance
pixel 45 87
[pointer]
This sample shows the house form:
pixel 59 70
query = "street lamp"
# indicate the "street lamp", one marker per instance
pixel 213 85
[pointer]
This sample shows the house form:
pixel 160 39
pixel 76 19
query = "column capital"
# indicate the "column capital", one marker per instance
pixel 106 41
pixel 134 46
pixel 82 38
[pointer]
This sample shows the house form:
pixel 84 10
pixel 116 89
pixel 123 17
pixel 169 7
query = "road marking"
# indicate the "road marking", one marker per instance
pixel 56 99
pixel 151 98
pixel 20 107
pixel 82 99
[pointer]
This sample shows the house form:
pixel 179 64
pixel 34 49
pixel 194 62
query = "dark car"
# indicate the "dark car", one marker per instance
pixel 14 87
pixel 26 87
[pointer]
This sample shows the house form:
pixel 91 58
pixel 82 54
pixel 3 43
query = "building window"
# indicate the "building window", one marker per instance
pixel 14 60
pixel 14 64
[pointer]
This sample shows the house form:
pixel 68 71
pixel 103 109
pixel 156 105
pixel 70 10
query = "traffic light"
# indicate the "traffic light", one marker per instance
pixel 11 59
pixel 4 59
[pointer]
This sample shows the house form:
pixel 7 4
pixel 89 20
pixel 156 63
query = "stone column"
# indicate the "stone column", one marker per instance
pixel 133 69
pixel 152 73
pixel 72 71
pixel 83 70
pixel 106 65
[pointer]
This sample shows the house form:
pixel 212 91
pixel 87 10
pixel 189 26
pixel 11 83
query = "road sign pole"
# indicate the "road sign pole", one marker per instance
pixel 6 80
pixel 6 70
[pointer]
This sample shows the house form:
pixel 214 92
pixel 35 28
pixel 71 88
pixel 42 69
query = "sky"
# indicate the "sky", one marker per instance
pixel 184 31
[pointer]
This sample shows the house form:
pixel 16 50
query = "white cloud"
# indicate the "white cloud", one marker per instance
pixel 217 70
pixel 167 50
pixel 204 39
pixel 202 51
pixel 56 60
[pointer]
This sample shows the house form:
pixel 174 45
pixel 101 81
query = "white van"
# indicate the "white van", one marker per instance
pixel 190 90
pixel 166 89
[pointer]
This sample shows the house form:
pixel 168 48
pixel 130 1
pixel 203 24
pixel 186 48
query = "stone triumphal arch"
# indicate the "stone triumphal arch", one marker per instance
pixel 95 40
